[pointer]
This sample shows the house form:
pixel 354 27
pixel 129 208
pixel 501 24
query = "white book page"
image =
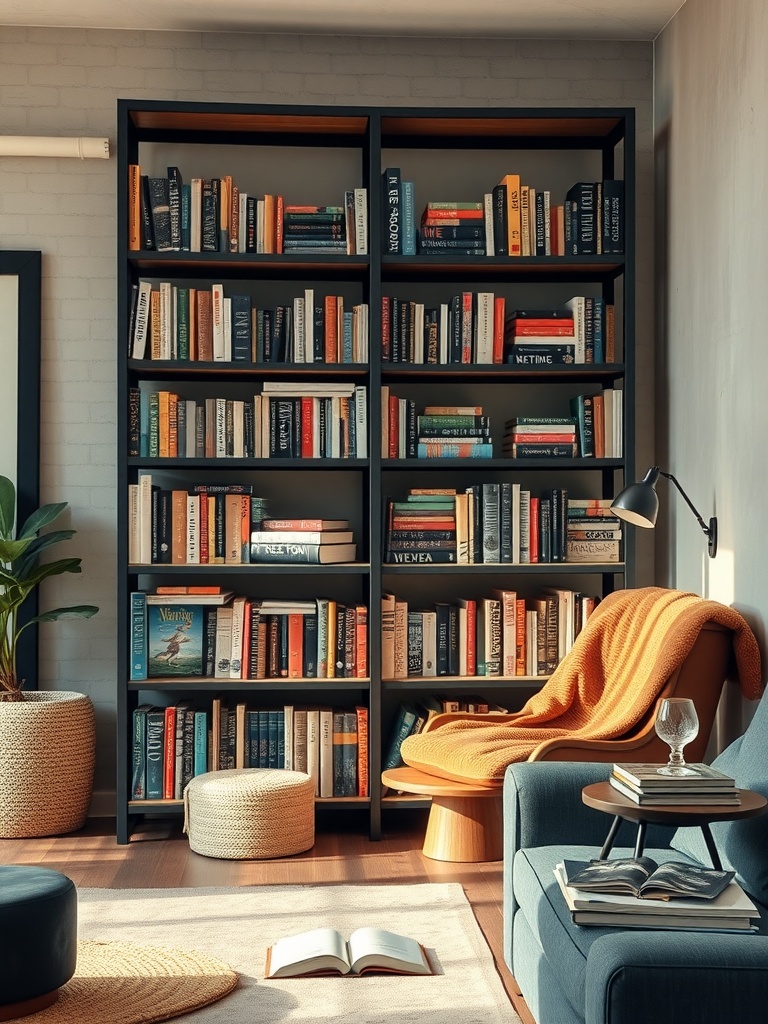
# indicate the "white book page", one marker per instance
pixel 325 947
pixel 369 946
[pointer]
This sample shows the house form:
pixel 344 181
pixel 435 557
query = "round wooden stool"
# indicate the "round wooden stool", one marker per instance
pixel 465 822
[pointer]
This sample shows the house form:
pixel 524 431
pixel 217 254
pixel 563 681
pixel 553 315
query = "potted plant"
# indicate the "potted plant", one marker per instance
pixel 47 738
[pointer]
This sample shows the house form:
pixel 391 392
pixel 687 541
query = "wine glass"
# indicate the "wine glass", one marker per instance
pixel 677 724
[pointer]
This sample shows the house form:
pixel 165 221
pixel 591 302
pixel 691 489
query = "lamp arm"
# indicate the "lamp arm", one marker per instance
pixel 707 529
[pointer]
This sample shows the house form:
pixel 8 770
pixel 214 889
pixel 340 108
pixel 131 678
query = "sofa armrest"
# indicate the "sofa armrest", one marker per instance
pixel 543 807
pixel 707 977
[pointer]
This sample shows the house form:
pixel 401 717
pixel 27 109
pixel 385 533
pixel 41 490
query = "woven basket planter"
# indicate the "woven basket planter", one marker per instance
pixel 47 755
pixel 250 813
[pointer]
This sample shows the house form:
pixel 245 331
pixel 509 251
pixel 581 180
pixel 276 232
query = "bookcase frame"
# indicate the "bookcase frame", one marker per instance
pixel 372 131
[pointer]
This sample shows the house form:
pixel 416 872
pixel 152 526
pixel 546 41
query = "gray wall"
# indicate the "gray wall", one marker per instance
pixel 711 134
pixel 66 82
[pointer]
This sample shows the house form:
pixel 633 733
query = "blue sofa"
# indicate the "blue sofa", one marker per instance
pixel 571 974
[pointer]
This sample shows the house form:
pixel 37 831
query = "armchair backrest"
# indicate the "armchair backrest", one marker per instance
pixel 700 676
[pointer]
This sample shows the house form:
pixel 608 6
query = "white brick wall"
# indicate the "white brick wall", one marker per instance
pixel 67 82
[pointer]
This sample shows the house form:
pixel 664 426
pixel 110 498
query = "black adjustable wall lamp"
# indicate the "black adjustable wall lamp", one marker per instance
pixel 639 504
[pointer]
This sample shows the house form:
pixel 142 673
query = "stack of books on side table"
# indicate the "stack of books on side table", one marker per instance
pixel 643 784
pixel 639 893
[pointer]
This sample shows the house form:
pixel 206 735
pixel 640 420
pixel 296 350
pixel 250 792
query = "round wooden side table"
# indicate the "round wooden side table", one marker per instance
pixel 465 821
pixel 603 797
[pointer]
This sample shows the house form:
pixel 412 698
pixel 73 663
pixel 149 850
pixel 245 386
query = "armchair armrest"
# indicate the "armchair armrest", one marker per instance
pixel 707 977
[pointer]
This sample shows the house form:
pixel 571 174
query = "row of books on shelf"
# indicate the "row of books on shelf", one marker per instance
pixel 476 327
pixel 498 522
pixel 504 634
pixel 594 429
pixel 512 219
pixel 225 524
pixel 174 322
pixel 701 784
pixel 172 745
pixel 411 718
pixel 165 214
pixel 219 635
pixel 287 421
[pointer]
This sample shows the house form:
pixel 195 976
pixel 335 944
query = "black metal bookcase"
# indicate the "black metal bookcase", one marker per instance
pixel 312 154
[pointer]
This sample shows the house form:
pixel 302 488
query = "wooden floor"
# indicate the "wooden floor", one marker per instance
pixel 159 857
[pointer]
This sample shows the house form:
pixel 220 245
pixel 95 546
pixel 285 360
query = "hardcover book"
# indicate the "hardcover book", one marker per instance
pixel 175 640
pixel 324 951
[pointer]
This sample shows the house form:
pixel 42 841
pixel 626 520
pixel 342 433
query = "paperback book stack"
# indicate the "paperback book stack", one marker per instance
pixel 422 528
pixel 453 228
pixel 540 337
pixel 639 893
pixel 540 437
pixel 643 784
pixel 594 532
pixel 305 541
pixel 314 229
pixel 454 432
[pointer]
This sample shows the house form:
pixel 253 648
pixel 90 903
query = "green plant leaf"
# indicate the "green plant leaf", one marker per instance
pixel 24 565
pixel 77 611
pixel 7 507
pixel 41 518
pixel 10 550
pixel 42 572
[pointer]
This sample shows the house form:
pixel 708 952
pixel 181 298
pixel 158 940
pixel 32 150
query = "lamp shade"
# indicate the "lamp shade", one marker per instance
pixel 638 503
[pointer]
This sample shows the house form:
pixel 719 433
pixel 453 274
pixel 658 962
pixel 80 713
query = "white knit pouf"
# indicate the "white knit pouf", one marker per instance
pixel 250 813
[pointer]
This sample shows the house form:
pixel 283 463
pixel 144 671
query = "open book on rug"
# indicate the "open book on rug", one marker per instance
pixel 644 878
pixel 324 951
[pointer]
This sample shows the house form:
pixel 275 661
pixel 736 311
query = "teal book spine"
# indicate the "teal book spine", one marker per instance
pixel 200 763
pixel 138 636
pixel 407 191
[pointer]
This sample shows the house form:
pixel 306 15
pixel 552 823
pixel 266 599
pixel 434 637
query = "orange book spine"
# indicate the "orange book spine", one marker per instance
pixel 362 750
pixel 331 330
pixel 154 325
pixel 499 313
pixel 598 412
pixel 178 527
pixel 295 646
pixel 169 754
pixel 245 528
pixel 204 325
pixel 163 424
pixel 279 207
pixel 134 207
pixel 204 558
pixel 173 426
pixel 234 220
pixel 361 641
pixel 244 661
pixel 514 226
pixel 520 638
pixel 193 353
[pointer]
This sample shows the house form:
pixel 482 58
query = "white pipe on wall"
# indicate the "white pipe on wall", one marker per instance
pixel 29 145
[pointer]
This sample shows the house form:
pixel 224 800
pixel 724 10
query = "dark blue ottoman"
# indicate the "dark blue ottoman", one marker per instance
pixel 38 938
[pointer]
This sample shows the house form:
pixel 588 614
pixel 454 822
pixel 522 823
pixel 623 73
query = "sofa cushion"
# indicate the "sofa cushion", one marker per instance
pixel 565 944
pixel 742 845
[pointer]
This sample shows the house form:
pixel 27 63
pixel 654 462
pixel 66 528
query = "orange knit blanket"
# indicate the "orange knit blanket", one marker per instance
pixel 631 645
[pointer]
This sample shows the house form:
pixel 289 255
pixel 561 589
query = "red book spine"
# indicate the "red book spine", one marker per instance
pixel 471 638
pixel 295 646
pixel 307 410
pixel 533 529
pixel 204 559
pixel 394 426
pixel 279 224
pixel 169 754
pixel 361 642
pixel 386 328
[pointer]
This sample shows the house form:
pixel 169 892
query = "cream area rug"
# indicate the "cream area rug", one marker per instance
pixel 237 925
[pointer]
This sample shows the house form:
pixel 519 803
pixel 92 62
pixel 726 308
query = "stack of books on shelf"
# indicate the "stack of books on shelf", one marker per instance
pixel 467 329
pixel 453 228
pixel 439 431
pixel 310 541
pixel 327 229
pixel 422 528
pixel 639 893
pixel 540 337
pixel 643 784
pixel 594 532
pixel 504 634
pixel 171 745
pixel 540 437
pixel 205 632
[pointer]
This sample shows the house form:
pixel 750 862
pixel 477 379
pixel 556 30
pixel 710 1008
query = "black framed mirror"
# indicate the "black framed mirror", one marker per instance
pixel 20 284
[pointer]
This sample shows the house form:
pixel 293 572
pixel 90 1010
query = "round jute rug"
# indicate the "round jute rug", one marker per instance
pixel 124 983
